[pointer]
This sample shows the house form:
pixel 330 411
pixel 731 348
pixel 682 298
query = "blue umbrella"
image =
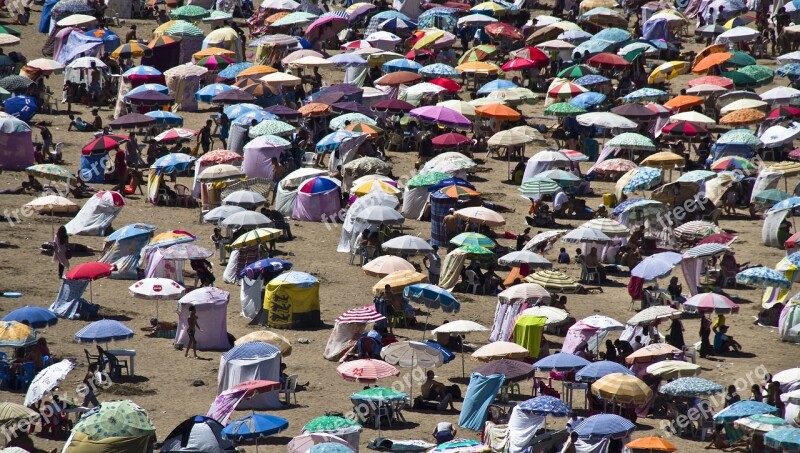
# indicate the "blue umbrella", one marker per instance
pixel 496 85
pixel 141 70
pixel 22 107
pixel 438 70
pixel 594 46
pixel 258 115
pixel 103 331
pixel 233 111
pixel 233 70
pixel 148 87
pixel 697 176
pixel 172 162
pixel 251 350
pixel 644 178
pixel 784 439
pixel 546 405
pixel 254 270
pixel 330 447
pixel 401 64
pixel 446 353
pixel 347 60
pixel 691 387
pixel 656 266
pixel 432 296
pixel 588 100
pixel 615 35
pixel 791 202
pixel 254 426
pixel 791 70
pixel 591 79
pixel 166 118
pixel 574 35
pixel 450 182
pixel 397 24
pixel 605 425
pixel 596 370
pixel 763 277
pixel 741 409
pixel 334 139
pixel 622 207
pixel 561 361
pixel 36 317
pixel 206 93
pixel 644 94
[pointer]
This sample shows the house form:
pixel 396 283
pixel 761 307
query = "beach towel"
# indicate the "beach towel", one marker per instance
pixel 480 394
pixel 691 273
pixel 496 437
pixel 522 426
pixel 635 288
pixel 250 296
pixel 451 269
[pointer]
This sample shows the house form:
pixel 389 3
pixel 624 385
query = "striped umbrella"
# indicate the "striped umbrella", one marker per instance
pixel 763 277
pixel 539 186
pixel 761 422
pixel 473 239
pixel 622 388
pixel 553 280
pixel 564 90
pixel 365 370
pixel 608 226
pixel 365 314
pixel 132 50
pixel 710 302
pixel 696 230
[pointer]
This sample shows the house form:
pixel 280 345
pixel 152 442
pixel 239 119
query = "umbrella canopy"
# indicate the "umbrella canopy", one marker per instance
pixel 710 302
pixel 407 244
pixel 46 380
pixel 653 315
pixel 553 280
pixel 513 370
pixel 16 334
pixel 254 426
pixel 691 387
pixel 103 331
pixel 103 144
pixel 12 412
pixel 651 352
pixel 582 234
pixel 92 270
pixel 561 361
pixel 524 256
pixel 546 405
pixel 256 237
pixel 432 296
pixel 761 422
pixel 673 369
pixel 35 317
pixel 115 419
pixel 597 370
pixel 605 425
pixel 385 265
pixel 500 350
pixel 365 314
pixel 763 277
pixel 786 439
pixel 481 216
pixel 398 280
pixel 622 388
pixel 157 288
pixel 409 354
pixel 364 370
pixel 539 186
pixel 651 444
pixel 741 409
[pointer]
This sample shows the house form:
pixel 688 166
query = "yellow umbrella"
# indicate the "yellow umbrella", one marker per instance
pixel 428 39
pixel 15 334
pixel 213 51
pixel 492 7
pixel 374 186
pixel 267 336
pixel 481 67
pixel 12 412
pixel 500 350
pixel 673 369
pixel 664 159
pixel 255 237
pixel 786 167
pixel 398 280
pixel 667 71
pixel 161 30
pixel 622 388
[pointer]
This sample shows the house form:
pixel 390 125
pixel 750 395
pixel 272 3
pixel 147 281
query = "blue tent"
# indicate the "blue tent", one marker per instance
pixel 92 168
pixel 110 39
pixel 123 248
pixel 44 22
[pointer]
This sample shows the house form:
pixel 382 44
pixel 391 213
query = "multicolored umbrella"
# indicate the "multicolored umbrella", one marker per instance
pixel 761 422
pixel 132 50
pixel 632 141
pixel 563 109
pixel 643 178
pixel 16 334
pixel 763 277
pixel 546 405
pixel 476 239
pixel 115 419
pixel 645 94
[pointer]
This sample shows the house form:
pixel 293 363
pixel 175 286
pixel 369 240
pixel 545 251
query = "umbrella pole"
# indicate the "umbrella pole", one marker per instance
pixel 425 327
pixel 463 373
pixel 52 218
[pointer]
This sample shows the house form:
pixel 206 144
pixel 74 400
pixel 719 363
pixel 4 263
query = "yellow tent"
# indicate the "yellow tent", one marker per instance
pixel 291 301
pixel 528 333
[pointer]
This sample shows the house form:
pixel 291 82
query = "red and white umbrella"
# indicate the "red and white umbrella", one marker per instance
pixel 365 314
pixel 564 89
pixel 156 288
pixel 357 44
pixel 176 133
pixel 366 370
pixel 708 302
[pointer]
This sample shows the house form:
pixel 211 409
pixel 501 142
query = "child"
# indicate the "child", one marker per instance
pixel 191 327
pixel 563 256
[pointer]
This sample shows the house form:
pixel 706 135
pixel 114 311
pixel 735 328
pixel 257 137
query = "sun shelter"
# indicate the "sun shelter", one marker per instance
pixel 191 39
pixel 247 362
pixel 789 322
pixel 183 81
pixel 70 304
pixel 441 205
pixel 286 193
pixel 198 433
pixel 123 249
pixel 352 227
pixel 165 55
pixel 133 78
pixel 347 329
pixel 211 305
pixel 318 198
pixel 95 217
pixel 258 154
pixel 225 38
pixel 481 392
pixel 528 333
pixel 72 43
pixel 510 303
pixel 772 222
pixel 16 143
pixel 291 301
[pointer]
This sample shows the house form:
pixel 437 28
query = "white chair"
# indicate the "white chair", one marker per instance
pixel 690 353
pixel 290 390
pixel 473 282
pixel 704 425
pixel 308 159
pixel 590 275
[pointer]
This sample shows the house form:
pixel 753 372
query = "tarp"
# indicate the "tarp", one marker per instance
pixel 316 207
pixel 291 301
pixel 44 20
pixel 70 304
pixel 236 371
pixel 156 266
pixel 96 216
pixel 528 333
pixel 197 434
pixel 79 442
pixel 352 228
pixel 522 426
pixel 480 394
pixel 238 137
pixel 764 181
pixel 769 230
pixel 211 305
pixel 414 199
pixel 440 207
pixel 183 82
pixel 77 45
pixel 452 265
pixel 123 249
pixel 250 295
pixel 284 200
pixel 690 267
pixel 258 161
pixel 342 339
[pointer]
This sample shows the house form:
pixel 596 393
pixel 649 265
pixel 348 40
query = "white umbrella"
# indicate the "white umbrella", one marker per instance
pixel 476 19
pixel 608 226
pixel 86 63
pixel 52 204
pixel 524 292
pixel 412 354
pixel 778 135
pixel 606 120
pixel 407 244
pixel 220 172
pixel 248 219
pixel 778 94
pixel 524 256
pixel 460 327
pixel 581 234
pixel 692 117
pixel 652 314
pixel 156 289
pixel 603 323
pixel 244 198
pixel 737 34
pixel 742 104
pixel 555 45
pixel 380 215
pixel 705 89
pixel 77 20
pixel 791 57
pixel 220 213
pixel 46 380
pixel 554 315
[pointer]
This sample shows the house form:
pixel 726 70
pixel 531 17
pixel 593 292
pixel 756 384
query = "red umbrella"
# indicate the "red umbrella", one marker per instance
pixel 719 238
pixel 519 64
pixel 393 105
pixel 723 82
pixel 684 128
pixel 784 112
pixel 451 140
pixel 103 143
pixel 448 84
pixel 92 270
pixel 502 30
pixel 533 54
pixel 794 154
pixel 414 54
pixel 608 61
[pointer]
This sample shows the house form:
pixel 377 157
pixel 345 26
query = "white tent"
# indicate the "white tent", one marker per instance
pixel 250 296
pixel 197 434
pixel 95 218
pixel 211 305
pixel 351 227
pixel 251 361
pixel 225 38
pixel 183 81
pixel 414 199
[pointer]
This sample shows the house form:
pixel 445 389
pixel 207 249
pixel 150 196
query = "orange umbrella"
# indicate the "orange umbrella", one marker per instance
pixel 214 51
pixel 743 117
pixel 478 67
pixel 652 444
pixel 364 128
pixel 315 109
pixel 710 61
pixel 459 192
pixel 683 102
pixel 256 71
pixel 498 111
pixel 716 48
pixel 275 17
pixel 398 78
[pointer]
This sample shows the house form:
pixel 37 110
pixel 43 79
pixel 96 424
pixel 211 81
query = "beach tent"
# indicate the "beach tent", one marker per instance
pixel 318 198
pixel 16 143
pixel 769 230
pixel 165 56
pixel 197 434
pixel 343 338
pixel 211 305
pixel 481 392
pixel 286 194
pixel 414 199
pixel 92 168
pixel 73 43
pixel 95 217
pixel 543 161
pixel 789 323
pixel 183 81
pixel 528 333
pixel 80 442
pixel 251 361
pixel 70 304
pixel 352 227
pixel 291 301
pixel 441 205
pixel 225 38
pixel 123 249
pixel 258 156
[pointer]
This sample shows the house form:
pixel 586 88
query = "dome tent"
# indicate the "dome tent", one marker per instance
pixel 198 433
pixel 291 301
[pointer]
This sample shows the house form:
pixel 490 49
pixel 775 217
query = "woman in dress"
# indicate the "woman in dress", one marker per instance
pixel 60 250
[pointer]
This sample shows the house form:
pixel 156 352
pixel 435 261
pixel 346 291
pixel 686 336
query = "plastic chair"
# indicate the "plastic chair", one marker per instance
pixel 590 274
pixel 383 411
pixel 115 365
pixel 25 375
pixel 290 390
pixel 473 283
pixel 184 195
pixel 690 353
pixel 308 159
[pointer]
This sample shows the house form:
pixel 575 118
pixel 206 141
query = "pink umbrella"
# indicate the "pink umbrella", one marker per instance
pixel 519 64
pixel 442 116
pixel 363 314
pixel 325 27
pixel 708 302
pixel 176 133
pixel 366 370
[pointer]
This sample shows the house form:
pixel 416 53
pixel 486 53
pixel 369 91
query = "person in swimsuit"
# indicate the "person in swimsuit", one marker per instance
pixel 191 327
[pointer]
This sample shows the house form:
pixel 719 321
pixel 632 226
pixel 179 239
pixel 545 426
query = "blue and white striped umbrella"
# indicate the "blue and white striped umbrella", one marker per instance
pixel 251 350
pixel 596 370
pixel 148 87
pixel 605 425
pixel 432 296
pixel 165 118
pixel 644 178
pixel 741 409
pixel 644 94
pixel 233 111
pixel 401 64
pixel 397 24
pixel 258 115
pixel 591 79
pixel 561 361
pixel 337 13
pixel 438 70
pixel 172 162
pixel 141 70
pixel 588 100
pixel 334 139
pixel 691 387
pixel 763 277
pixel 206 93
pixel 103 331
pixel 784 439
pixel 496 85
pixel 233 70
pixel 546 405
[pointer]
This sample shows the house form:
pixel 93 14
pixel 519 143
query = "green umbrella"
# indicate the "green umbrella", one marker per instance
pixel 475 239
pixel 562 109
pixel 771 196
pixel 740 136
pixel 379 394
pixel 563 178
pixel 116 419
pixel 50 172
pixel 427 179
pixel 183 28
pixel 10 31
pixel 328 423
pixel 740 58
pixel 476 250
pixel 634 54
pixel 297 17
pixel 339 122
pixel 760 73
pixel 189 12
pixel 632 140
pixel 271 127
pixel 740 79
pixel 576 71
pixel 539 186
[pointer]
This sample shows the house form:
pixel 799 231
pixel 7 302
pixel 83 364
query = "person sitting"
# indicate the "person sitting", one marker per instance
pixel 611 352
pixel 719 440
pixel 637 237
pixel 433 390
pixel 675 289
pixel 444 432
pixel 160 329
pixel 563 256
pixel 562 205
pixel 729 267
pixel 79 125
pixel 724 343
pixel 579 258
pixel 784 233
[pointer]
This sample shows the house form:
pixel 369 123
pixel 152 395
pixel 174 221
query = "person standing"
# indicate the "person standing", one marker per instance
pixel 131 34
pixel 205 136
pixel 675 336
pixel 191 328
pixel 61 250
pixel 705 336
pixel 433 262
pixel 224 129
pixel 89 382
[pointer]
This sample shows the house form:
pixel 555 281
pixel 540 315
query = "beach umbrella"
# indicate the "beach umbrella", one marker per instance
pixel 684 128
pixel 363 370
pixel 473 239
pixel 581 235
pixel 596 370
pixel 622 388
pixel 244 198
pixel 189 13
pixel 15 334
pixel 673 369
pixel 563 109
pixel 667 71
pixel 553 315
pixel 398 280
pixel 784 439
pixel 271 127
pixel 604 425
pixel 132 50
pixel 157 289
pixel 50 172
pixel 656 266
pixel 186 252
pixel 249 219
pixel 266 336
pixel 651 352
pixel 132 121
pixel 741 409
pixel 607 60
pixel 606 120
pixel 770 197
pixel 653 315
pixel 603 323
pixel 103 331
pixel 616 165
pixel 411 354
pixel 386 264
pixel 640 179
pixel 517 258
pixel 576 71
pixel 462 445
pixel 743 117
pixel 304 442
pixel 634 111
pixel 651 444
pixel 481 216
pixel 561 361
pixel 36 317
pixel 607 226
pixel 632 141
pixel 13 412
pixel 380 215
pixel 644 94
pixel 115 419
pixel 513 370
pixel 705 90
pixel 407 244
pixel 588 100
pixel 165 118
pixel 103 144
pixel 553 280
pixel 546 405
pixel 451 140
pixel 254 427
pixel 442 116
pixel 46 380
pixel 256 237
pixel 500 350
pixel 710 302
pixel 393 105
pixel 363 315
pixel 710 61
pixel 219 172
pixel 763 277
pixel 762 423
pixel 379 394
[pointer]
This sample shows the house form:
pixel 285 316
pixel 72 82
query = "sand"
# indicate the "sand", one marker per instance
pixel 163 385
